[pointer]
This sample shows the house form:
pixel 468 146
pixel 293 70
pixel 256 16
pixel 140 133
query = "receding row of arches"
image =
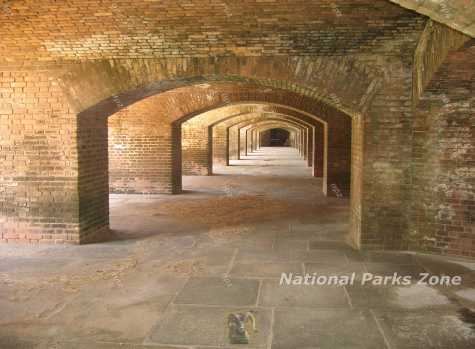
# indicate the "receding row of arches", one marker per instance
pixel 148 153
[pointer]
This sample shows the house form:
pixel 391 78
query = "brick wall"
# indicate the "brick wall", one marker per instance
pixel 386 171
pixel 140 145
pixel 104 59
pixel 196 147
pixel 79 29
pixel 443 192
pixel 38 185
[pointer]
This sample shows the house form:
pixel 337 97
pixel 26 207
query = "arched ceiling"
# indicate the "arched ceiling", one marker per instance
pixel 77 30
pixel 51 30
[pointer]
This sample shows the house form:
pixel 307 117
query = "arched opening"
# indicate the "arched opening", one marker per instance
pixel 232 133
pixel 275 137
pixel 320 127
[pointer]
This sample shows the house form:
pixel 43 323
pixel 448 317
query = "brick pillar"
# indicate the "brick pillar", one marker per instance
pixel 195 148
pixel 140 151
pixel 219 145
pixel 305 144
pixel 39 182
pixel 242 142
pixel 319 152
pixel 387 170
pixel 254 140
pixel 338 152
pixel 310 146
pixel 233 143
pixel 248 141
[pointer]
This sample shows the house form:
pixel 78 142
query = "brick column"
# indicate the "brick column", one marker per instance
pixel 220 146
pixel 319 151
pixel 39 181
pixel 195 148
pixel 310 146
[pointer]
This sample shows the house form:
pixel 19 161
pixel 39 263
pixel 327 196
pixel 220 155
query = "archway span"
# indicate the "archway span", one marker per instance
pixel 226 145
pixel 163 115
pixel 285 133
pixel 197 133
pixel 274 135
pixel 245 127
pixel 115 84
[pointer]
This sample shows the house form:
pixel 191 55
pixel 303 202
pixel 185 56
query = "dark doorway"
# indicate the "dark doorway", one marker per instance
pixel 276 137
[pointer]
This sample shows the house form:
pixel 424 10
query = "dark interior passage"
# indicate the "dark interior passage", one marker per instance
pixel 276 137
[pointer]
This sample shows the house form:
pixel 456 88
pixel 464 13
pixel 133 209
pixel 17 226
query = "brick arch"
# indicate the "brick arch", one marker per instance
pixel 254 131
pixel 245 126
pixel 169 110
pixel 185 103
pixel 224 146
pixel 259 131
pixel 246 119
pixel 275 125
pixel 235 111
pixel 265 125
pixel 108 86
pixel 197 134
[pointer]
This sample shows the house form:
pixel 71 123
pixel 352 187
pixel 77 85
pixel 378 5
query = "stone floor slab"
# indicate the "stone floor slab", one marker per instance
pixel 219 291
pixel 329 245
pixel 290 244
pixel 275 295
pixel 390 257
pixel 205 326
pixel 265 270
pixel 428 329
pixel 323 256
pixel 399 297
pixel 388 269
pixel 325 329
pixel 262 255
pixel 335 269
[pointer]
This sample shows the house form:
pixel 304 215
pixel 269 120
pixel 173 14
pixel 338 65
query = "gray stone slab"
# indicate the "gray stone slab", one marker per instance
pixel 388 269
pixel 268 270
pixel 205 326
pixel 325 329
pixel 329 245
pixel 389 257
pixel 439 266
pixel 108 250
pixel 322 256
pixel 400 297
pixel 335 269
pixel 261 255
pixel 308 235
pixel 275 295
pixel 289 244
pixel 217 291
pixel 251 243
pixel 428 329
pixel 34 265
pixel 106 319
pixel 271 256
pixel 313 227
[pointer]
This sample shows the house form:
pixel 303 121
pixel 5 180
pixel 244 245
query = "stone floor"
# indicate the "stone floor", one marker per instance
pixel 179 265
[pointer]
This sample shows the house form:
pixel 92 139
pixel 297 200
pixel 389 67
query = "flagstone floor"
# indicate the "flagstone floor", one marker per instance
pixel 179 265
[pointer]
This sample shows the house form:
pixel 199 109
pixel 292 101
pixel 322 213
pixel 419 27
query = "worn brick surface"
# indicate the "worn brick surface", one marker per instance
pixel 67 66
pixel 443 197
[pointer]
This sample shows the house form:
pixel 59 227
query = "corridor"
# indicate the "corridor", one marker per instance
pixel 177 266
